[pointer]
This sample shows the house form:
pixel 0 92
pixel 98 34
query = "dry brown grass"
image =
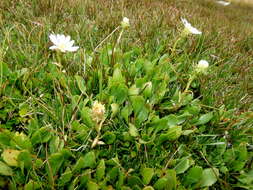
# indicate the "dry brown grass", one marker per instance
pixel 248 2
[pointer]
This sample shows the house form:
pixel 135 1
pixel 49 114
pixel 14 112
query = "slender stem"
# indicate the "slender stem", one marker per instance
pixel 1 74
pixel 189 83
pixel 115 46
pixel 106 38
pixel 119 38
pixel 100 83
pixel 175 45
pixel 58 58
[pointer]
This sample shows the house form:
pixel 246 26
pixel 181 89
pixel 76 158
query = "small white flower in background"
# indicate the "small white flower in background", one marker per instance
pixel 125 22
pixel 202 66
pixel 62 43
pixel 189 29
pixel 224 3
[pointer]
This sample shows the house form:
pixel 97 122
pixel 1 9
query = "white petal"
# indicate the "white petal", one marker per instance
pixel 185 22
pixel 224 3
pixel 72 49
pixel 61 38
pixel 53 38
pixel 67 39
pixel 70 43
pixel 53 47
pixel 195 31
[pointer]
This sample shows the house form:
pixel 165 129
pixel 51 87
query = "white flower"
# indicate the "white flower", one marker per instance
pixel 62 43
pixel 203 64
pixel 125 22
pixel 202 67
pixel 189 28
pixel 224 3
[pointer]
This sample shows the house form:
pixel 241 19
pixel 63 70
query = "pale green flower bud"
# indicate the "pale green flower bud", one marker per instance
pixel 125 23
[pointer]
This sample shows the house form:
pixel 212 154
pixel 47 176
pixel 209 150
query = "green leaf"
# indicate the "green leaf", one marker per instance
pixel 162 183
pixel 148 188
pixel 140 109
pixel 10 156
pixel 79 165
pixel 126 111
pixel 133 130
pixel 54 163
pixel 25 158
pixel 56 144
pixel 172 120
pixel 42 135
pixel 204 118
pixel 5 170
pixel 109 137
pixel 92 186
pixel 119 92
pixel 182 166
pixel 209 177
pixel 134 180
pixel 86 176
pixel 147 174
pixel 86 117
pixel 121 178
pixel 89 160
pixel 80 83
pixel 65 177
pixel 113 173
pixel 100 172
pixel 171 175
pixel 194 175
pixel 21 141
pixel 5 137
pixel 172 134
pixel 4 70
pixel 32 185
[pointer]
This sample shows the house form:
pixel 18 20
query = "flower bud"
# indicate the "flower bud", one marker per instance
pixel 98 111
pixel 148 89
pixel 202 66
pixel 125 23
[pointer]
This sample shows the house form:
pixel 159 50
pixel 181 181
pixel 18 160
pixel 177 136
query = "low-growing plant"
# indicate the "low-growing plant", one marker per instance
pixel 119 121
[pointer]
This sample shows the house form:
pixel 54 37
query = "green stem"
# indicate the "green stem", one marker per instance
pixel 119 38
pixel 1 75
pixel 175 45
pixel 58 58
pixel 189 83
pixel 100 83
pixel 105 39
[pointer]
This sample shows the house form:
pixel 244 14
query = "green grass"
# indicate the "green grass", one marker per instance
pixel 156 133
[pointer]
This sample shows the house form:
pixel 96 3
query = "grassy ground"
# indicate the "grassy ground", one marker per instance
pixel 227 40
pixel 157 133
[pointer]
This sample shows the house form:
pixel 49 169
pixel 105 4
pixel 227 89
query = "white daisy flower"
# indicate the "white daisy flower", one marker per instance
pixel 62 43
pixel 189 28
pixel 125 22
pixel 224 3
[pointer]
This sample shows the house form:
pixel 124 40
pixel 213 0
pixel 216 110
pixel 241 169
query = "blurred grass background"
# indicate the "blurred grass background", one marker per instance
pixel 227 42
